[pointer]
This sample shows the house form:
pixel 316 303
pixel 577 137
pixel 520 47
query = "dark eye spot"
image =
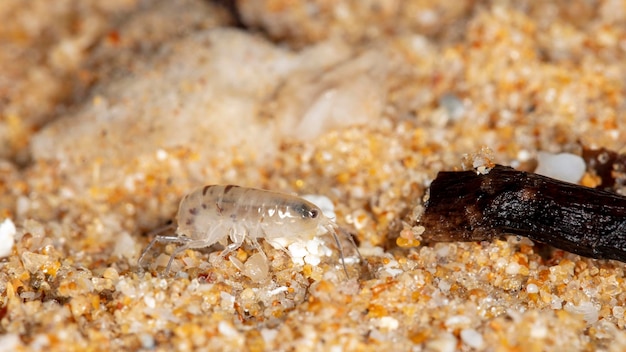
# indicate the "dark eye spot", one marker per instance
pixel 303 210
pixel 313 213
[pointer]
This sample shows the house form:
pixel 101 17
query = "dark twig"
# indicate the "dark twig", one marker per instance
pixel 466 206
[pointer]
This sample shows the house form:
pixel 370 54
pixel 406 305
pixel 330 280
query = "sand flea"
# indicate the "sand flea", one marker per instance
pixel 213 214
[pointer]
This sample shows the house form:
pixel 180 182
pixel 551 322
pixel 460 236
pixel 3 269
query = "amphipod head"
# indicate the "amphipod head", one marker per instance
pixel 306 219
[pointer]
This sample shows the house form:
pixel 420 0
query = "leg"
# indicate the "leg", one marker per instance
pixel 237 235
pixel 189 244
pixel 159 239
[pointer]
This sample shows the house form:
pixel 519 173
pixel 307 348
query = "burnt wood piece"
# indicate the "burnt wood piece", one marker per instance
pixel 466 206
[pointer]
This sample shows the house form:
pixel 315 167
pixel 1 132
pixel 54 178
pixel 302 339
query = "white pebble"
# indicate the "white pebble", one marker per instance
pixel 512 268
pixel 22 205
pixel 7 237
pixel 618 312
pixel 532 288
pixel 161 154
pixel 298 251
pixel 564 166
pixel 125 246
pixel 389 323
pixel 472 338
pixel 446 342
pixel 314 246
pixel 301 252
pixel 125 288
pixel 268 335
pixel 313 260
pixel 227 298
pixel 453 105
pixel 10 342
pixel 538 331
pixel 457 321
pixel 523 155
pixel 377 335
pixel 227 330
pixel 556 302
pixel 149 301
pixel 40 343
pixel 444 286
pixel 147 341
pixel 278 290
pixel 392 268
pixel 27 296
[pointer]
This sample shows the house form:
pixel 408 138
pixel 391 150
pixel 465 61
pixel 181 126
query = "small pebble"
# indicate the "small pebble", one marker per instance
pixel 512 268
pixel 149 301
pixel 618 312
pixel 227 329
pixel 33 262
pixel 110 273
pixel 472 338
pixel 532 288
pixel 269 335
pixel 10 342
pixel 389 323
pixel 564 166
pixel 453 105
pixel 446 342
pixel 147 341
pixel 7 237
